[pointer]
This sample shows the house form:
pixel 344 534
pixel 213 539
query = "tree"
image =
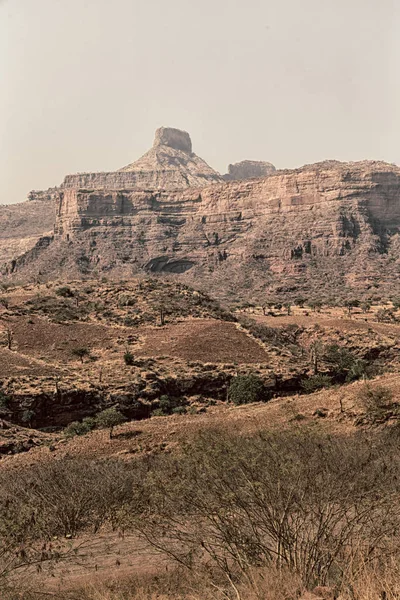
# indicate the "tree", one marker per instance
pixel 81 353
pixel 385 315
pixel 315 305
pixel 245 389
pixel 366 306
pixel 344 364
pixel 110 418
pixel 288 307
pixel 350 304
pixel 300 301
pixel 315 353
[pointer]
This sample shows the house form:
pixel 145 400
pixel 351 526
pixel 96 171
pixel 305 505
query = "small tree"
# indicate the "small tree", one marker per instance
pixel 350 304
pixel 366 306
pixel 81 353
pixel 288 308
pixel 245 389
pixel 316 349
pixel 110 418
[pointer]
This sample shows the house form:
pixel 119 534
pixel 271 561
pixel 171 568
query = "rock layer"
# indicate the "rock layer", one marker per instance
pixel 316 228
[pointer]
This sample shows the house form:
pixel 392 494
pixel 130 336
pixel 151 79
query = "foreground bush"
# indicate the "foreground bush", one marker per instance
pixel 322 510
pixel 245 389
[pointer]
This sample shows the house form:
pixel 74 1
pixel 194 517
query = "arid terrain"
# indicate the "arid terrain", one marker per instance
pixel 199 382
pixel 174 365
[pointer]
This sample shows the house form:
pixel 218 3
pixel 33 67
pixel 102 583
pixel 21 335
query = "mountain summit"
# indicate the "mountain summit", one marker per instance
pixel 172 158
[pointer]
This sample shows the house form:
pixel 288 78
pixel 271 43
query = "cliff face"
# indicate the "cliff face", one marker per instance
pixel 321 229
pixel 317 228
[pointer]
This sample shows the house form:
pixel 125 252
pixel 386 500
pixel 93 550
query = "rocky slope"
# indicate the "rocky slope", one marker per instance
pixel 44 381
pixel 22 225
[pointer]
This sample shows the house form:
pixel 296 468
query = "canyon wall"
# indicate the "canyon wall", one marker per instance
pixel 319 227
pixel 324 227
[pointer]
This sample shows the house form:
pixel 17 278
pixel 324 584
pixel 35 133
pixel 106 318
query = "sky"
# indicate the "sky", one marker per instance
pixel 85 83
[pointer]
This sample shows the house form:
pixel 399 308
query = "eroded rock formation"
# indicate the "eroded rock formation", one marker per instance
pixel 249 169
pixel 169 165
pixel 322 228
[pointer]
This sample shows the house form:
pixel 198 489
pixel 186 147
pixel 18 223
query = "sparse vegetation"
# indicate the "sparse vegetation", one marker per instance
pixel 65 292
pixel 294 509
pixel 109 419
pixel 81 353
pixel 316 382
pixel 245 389
pixel 129 358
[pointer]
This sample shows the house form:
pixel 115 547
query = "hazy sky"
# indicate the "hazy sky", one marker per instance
pixel 84 83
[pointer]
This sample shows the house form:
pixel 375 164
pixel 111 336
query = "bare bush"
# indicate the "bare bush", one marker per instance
pixel 301 503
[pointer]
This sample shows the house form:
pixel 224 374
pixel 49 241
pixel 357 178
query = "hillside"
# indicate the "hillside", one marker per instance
pixel 64 348
pixel 188 376
pixel 22 225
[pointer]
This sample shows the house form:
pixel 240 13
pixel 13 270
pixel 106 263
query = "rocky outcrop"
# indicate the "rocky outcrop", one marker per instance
pixel 249 169
pixel 43 195
pixel 169 165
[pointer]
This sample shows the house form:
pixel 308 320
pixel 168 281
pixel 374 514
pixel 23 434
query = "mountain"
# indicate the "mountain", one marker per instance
pixel 327 230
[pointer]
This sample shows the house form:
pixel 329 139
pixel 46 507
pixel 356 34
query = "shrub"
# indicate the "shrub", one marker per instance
pixel 386 315
pixel 179 410
pixel 316 382
pixel 65 291
pixel 4 400
pixel 126 300
pixel 376 398
pixel 345 366
pixel 169 405
pixel 110 418
pixel 245 389
pixel 130 321
pixel 129 358
pixel 81 353
pixel 75 428
pixel 27 417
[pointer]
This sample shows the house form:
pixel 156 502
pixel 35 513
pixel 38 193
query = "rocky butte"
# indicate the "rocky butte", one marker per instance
pixel 325 229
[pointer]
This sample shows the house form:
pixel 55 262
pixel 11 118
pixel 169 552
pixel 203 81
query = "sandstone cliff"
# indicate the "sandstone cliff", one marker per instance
pixel 326 228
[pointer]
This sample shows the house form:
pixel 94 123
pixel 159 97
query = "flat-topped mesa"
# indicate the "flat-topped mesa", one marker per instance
pixel 174 138
pixel 249 169
pixel 310 230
